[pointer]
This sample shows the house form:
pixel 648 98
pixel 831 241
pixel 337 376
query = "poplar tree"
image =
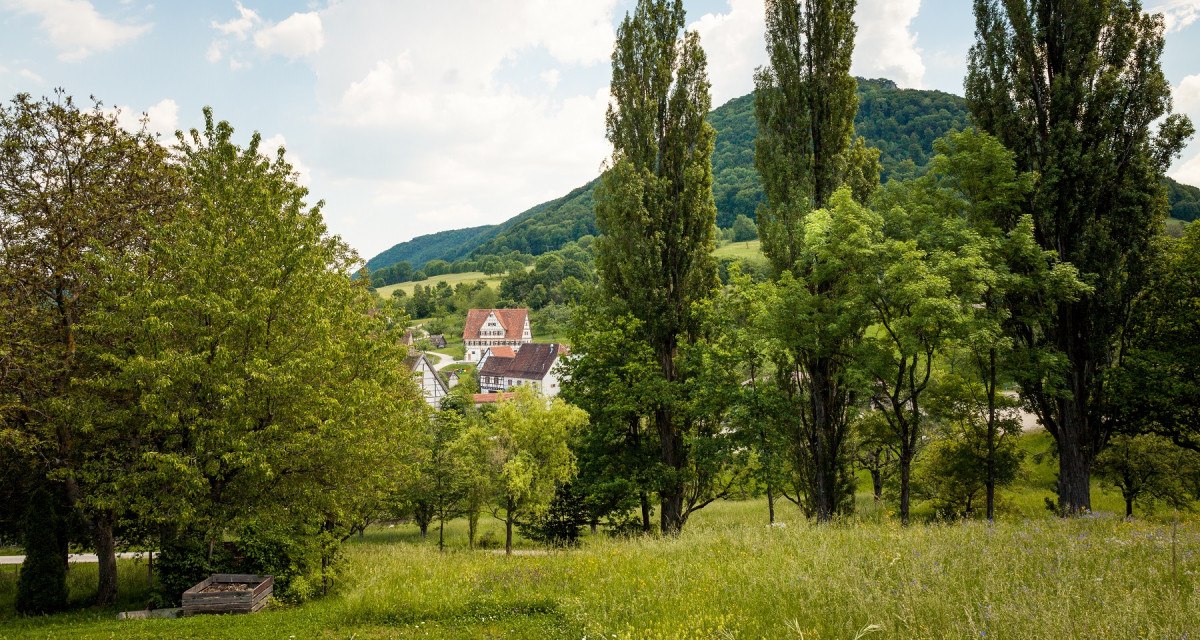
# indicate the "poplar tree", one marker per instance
pixel 655 208
pixel 805 104
pixel 1074 89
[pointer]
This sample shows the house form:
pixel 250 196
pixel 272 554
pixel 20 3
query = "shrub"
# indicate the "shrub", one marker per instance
pixel 42 587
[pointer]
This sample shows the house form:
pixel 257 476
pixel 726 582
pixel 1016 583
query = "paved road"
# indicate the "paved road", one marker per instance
pixel 75 557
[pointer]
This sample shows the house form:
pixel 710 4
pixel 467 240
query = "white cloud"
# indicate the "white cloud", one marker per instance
pixel 298 35
pixel 1186 100
pixel 1178 14
pixel 161 118
pixel 269 147
pixel 214 52
pixel 239 26
pixel 735 46
pixel 31 76
pixel 75 28
pixel 885 47
pixel 550 77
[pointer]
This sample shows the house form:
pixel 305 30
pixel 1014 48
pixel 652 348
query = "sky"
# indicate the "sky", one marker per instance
pixel 409 117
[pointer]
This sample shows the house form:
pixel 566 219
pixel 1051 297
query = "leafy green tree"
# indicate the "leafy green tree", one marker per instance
pixel 1075 94
pixel 918 310
pixel 42 586
pixel 744 229
pixel 815 327
pixel 530 455
pixel 655 209
pixel 1157 388
pixel 613 376
pixel 805 104
pixel 74 185
pixel 272 395
pixel 1148 468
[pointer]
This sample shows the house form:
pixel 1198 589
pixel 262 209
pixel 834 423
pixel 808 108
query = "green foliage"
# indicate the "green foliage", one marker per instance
pixel 744 229
pixel 1149 470
pixel 1184 200
pixel 270 398
pixel 42 587
pixel 655 208
pixel 1157 388
pixel 75 190
pixel 1083 110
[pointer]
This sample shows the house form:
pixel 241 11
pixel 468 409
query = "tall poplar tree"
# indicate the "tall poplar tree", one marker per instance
pixel 805 104
pixel 1073 89
pixel 655 208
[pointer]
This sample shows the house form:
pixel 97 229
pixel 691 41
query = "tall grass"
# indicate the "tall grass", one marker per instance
pixel 731 576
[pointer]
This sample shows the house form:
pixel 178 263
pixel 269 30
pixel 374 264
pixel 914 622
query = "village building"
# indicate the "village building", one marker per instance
pixel 438 341
pixel 426 377
pixel 535 365
pixel 486 328
pixel 481 399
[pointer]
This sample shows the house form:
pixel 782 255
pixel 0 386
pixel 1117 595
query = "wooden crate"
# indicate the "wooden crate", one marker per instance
pixel 228 593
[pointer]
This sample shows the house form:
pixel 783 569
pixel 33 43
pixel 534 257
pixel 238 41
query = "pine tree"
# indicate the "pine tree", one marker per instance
pixel 42 587
pixel 655 208
pixel 1073 90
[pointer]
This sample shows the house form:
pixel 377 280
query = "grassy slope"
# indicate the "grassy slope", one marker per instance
pixel 451 279
pixel 743 250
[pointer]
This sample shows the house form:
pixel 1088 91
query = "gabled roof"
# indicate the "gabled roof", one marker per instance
pixel 502 351
pixel 532 362
pixel 483 398
pixel 513 321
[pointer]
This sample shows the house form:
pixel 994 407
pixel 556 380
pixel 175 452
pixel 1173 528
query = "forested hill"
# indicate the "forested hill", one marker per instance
pixel 902 123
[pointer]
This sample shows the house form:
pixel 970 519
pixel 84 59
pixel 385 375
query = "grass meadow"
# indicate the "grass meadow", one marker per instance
pixel 731 576
pixel 451 279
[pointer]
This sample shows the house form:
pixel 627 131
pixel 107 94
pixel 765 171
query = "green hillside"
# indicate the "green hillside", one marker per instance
pixel 901 123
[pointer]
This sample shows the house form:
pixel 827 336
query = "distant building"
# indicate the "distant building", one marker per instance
pixel 438 341
pixel 486 328
pixel 534 365
pixel 427 378
pixel 489 398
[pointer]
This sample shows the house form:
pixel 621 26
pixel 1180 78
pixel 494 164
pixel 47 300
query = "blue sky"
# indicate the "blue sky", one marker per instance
pixel 409 117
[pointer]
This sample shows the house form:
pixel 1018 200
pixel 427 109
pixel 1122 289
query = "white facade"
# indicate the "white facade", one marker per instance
pixel 432 387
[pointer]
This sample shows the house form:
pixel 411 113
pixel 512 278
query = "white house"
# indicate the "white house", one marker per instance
pixel 495 327
pixel 535 365
pixel 427 378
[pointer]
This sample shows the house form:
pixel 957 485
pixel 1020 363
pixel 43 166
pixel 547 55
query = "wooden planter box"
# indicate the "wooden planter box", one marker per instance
pixel 228 593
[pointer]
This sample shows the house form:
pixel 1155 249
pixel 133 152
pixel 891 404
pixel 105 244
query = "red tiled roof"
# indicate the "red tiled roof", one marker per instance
pixel 484 398
pixel 513 321
pixel 532 362
pixel 502 351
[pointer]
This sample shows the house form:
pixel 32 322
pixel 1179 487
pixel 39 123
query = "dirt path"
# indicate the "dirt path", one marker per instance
pixel 76 557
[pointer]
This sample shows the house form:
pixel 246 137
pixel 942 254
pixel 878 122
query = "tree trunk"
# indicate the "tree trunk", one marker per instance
pixel 1074 474
pixel 106 554
pixel 1128 507
pixel 645 499
pixel 671 496
pixel 770 504
pixel 877 484
pixel 472 527
pixel 990 489
pixel 508 524
pixel 905 474
pixel 441 534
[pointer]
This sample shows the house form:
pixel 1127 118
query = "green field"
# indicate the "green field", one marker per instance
pixel 750 249
pixel 731 576
pixel 451 279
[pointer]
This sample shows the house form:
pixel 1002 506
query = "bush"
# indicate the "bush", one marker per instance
pixel 560 524
pixel 42 587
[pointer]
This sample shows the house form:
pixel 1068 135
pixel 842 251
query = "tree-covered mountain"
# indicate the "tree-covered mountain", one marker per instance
pixel 901 123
